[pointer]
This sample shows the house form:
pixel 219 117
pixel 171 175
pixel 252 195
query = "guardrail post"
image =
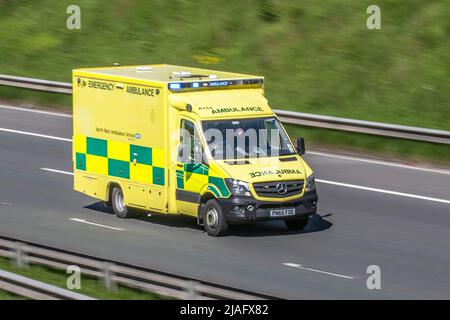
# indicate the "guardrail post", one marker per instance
pixel 191 292
pixel 107 278
pixel 20 255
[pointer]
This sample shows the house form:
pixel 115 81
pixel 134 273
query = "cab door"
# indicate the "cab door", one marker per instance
pixel 191 171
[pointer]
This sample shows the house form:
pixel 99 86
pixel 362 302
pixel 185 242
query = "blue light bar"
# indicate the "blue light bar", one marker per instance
pixel 218 83
pixel 215 84
pixel 174 86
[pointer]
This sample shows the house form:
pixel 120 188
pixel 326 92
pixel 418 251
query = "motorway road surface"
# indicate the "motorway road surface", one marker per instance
pixel 370 213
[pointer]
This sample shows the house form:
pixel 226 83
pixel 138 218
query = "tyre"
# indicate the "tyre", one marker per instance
pixel 297 224
pixel 214 219
pixel 118 203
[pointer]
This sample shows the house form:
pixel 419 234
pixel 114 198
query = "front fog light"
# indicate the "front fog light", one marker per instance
pixel 250 207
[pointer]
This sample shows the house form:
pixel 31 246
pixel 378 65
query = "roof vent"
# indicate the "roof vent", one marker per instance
pixel 182 74
pixel 143 69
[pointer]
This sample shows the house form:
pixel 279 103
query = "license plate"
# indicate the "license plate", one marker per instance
pixel 282 212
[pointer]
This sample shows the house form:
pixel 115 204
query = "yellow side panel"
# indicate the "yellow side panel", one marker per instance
pixel 118 150
pixel 114 117
pixel 158 157
pixel 79 143
pixel 96 164
pixel 102 193
pixel 144 196
pixel 173 126
pixel 155 199
pixel 195 182
pixel 215 170
pixel 135 195
pixel 85 184
pixel 120 111
pixel 189 208
pixel 141 173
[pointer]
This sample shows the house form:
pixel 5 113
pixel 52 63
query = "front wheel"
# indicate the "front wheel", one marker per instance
pixel 214 219
pixel 298 224
pixel 118 203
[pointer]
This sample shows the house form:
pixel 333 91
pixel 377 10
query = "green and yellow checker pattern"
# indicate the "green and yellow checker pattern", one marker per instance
pixel 194 177
pixel 118 159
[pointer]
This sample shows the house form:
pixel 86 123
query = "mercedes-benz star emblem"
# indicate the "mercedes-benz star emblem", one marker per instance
pixel 281 188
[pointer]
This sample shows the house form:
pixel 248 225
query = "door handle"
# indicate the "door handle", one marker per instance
pixel 179 165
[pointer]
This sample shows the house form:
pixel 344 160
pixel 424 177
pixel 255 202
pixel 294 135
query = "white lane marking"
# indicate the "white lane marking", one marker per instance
pixel 96 224
pixel 50 113
pixel 346 185
pixel 395 193
pixel 384 163
pixel 35 134
pixel 299 266
pixel 57 171
pixel 5 204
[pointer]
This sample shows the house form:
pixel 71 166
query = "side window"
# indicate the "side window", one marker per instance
pixel 190 150
pixel 272 137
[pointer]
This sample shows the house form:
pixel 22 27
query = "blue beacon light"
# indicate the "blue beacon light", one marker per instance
pixel 175 86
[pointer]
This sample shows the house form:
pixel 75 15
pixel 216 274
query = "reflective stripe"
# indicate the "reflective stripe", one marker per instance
pixel 220 184
pixel 119 159
pixel 97 147
pixel 214 190
pixel 195 176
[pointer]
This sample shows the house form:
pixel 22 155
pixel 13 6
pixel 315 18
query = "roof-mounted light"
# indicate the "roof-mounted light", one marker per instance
pixel 182 74
pixel 143 69
pixel 174 86
pixel 199 85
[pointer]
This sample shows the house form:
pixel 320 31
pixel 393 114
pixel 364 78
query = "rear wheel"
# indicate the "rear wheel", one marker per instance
pixel 214 219
pixel 297 224
pixel 118 203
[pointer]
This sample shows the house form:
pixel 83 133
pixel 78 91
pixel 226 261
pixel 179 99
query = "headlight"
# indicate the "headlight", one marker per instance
pixel 310 183
pixel 237 187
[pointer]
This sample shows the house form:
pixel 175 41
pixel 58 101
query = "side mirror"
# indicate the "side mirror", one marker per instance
pixel 180 154
pixel 301 146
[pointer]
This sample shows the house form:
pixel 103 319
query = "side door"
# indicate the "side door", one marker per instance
pixel 191 171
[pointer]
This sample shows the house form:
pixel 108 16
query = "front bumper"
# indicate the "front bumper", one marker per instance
pixel 304 206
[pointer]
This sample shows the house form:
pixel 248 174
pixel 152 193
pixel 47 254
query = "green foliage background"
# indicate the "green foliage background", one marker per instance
pixel 317 56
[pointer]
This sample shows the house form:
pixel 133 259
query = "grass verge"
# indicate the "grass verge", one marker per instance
pixel 4 295
pixel 317 56
pixel 89 286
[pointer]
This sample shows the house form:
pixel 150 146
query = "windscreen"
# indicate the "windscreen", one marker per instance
pixel 246 138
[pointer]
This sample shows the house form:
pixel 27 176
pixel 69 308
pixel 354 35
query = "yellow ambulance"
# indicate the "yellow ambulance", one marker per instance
pixel 175 140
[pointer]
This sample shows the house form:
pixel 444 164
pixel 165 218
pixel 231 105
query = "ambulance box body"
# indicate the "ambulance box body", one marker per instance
pixel 155 138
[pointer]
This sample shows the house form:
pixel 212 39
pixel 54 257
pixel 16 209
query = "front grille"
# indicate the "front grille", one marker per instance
pixel 270 189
